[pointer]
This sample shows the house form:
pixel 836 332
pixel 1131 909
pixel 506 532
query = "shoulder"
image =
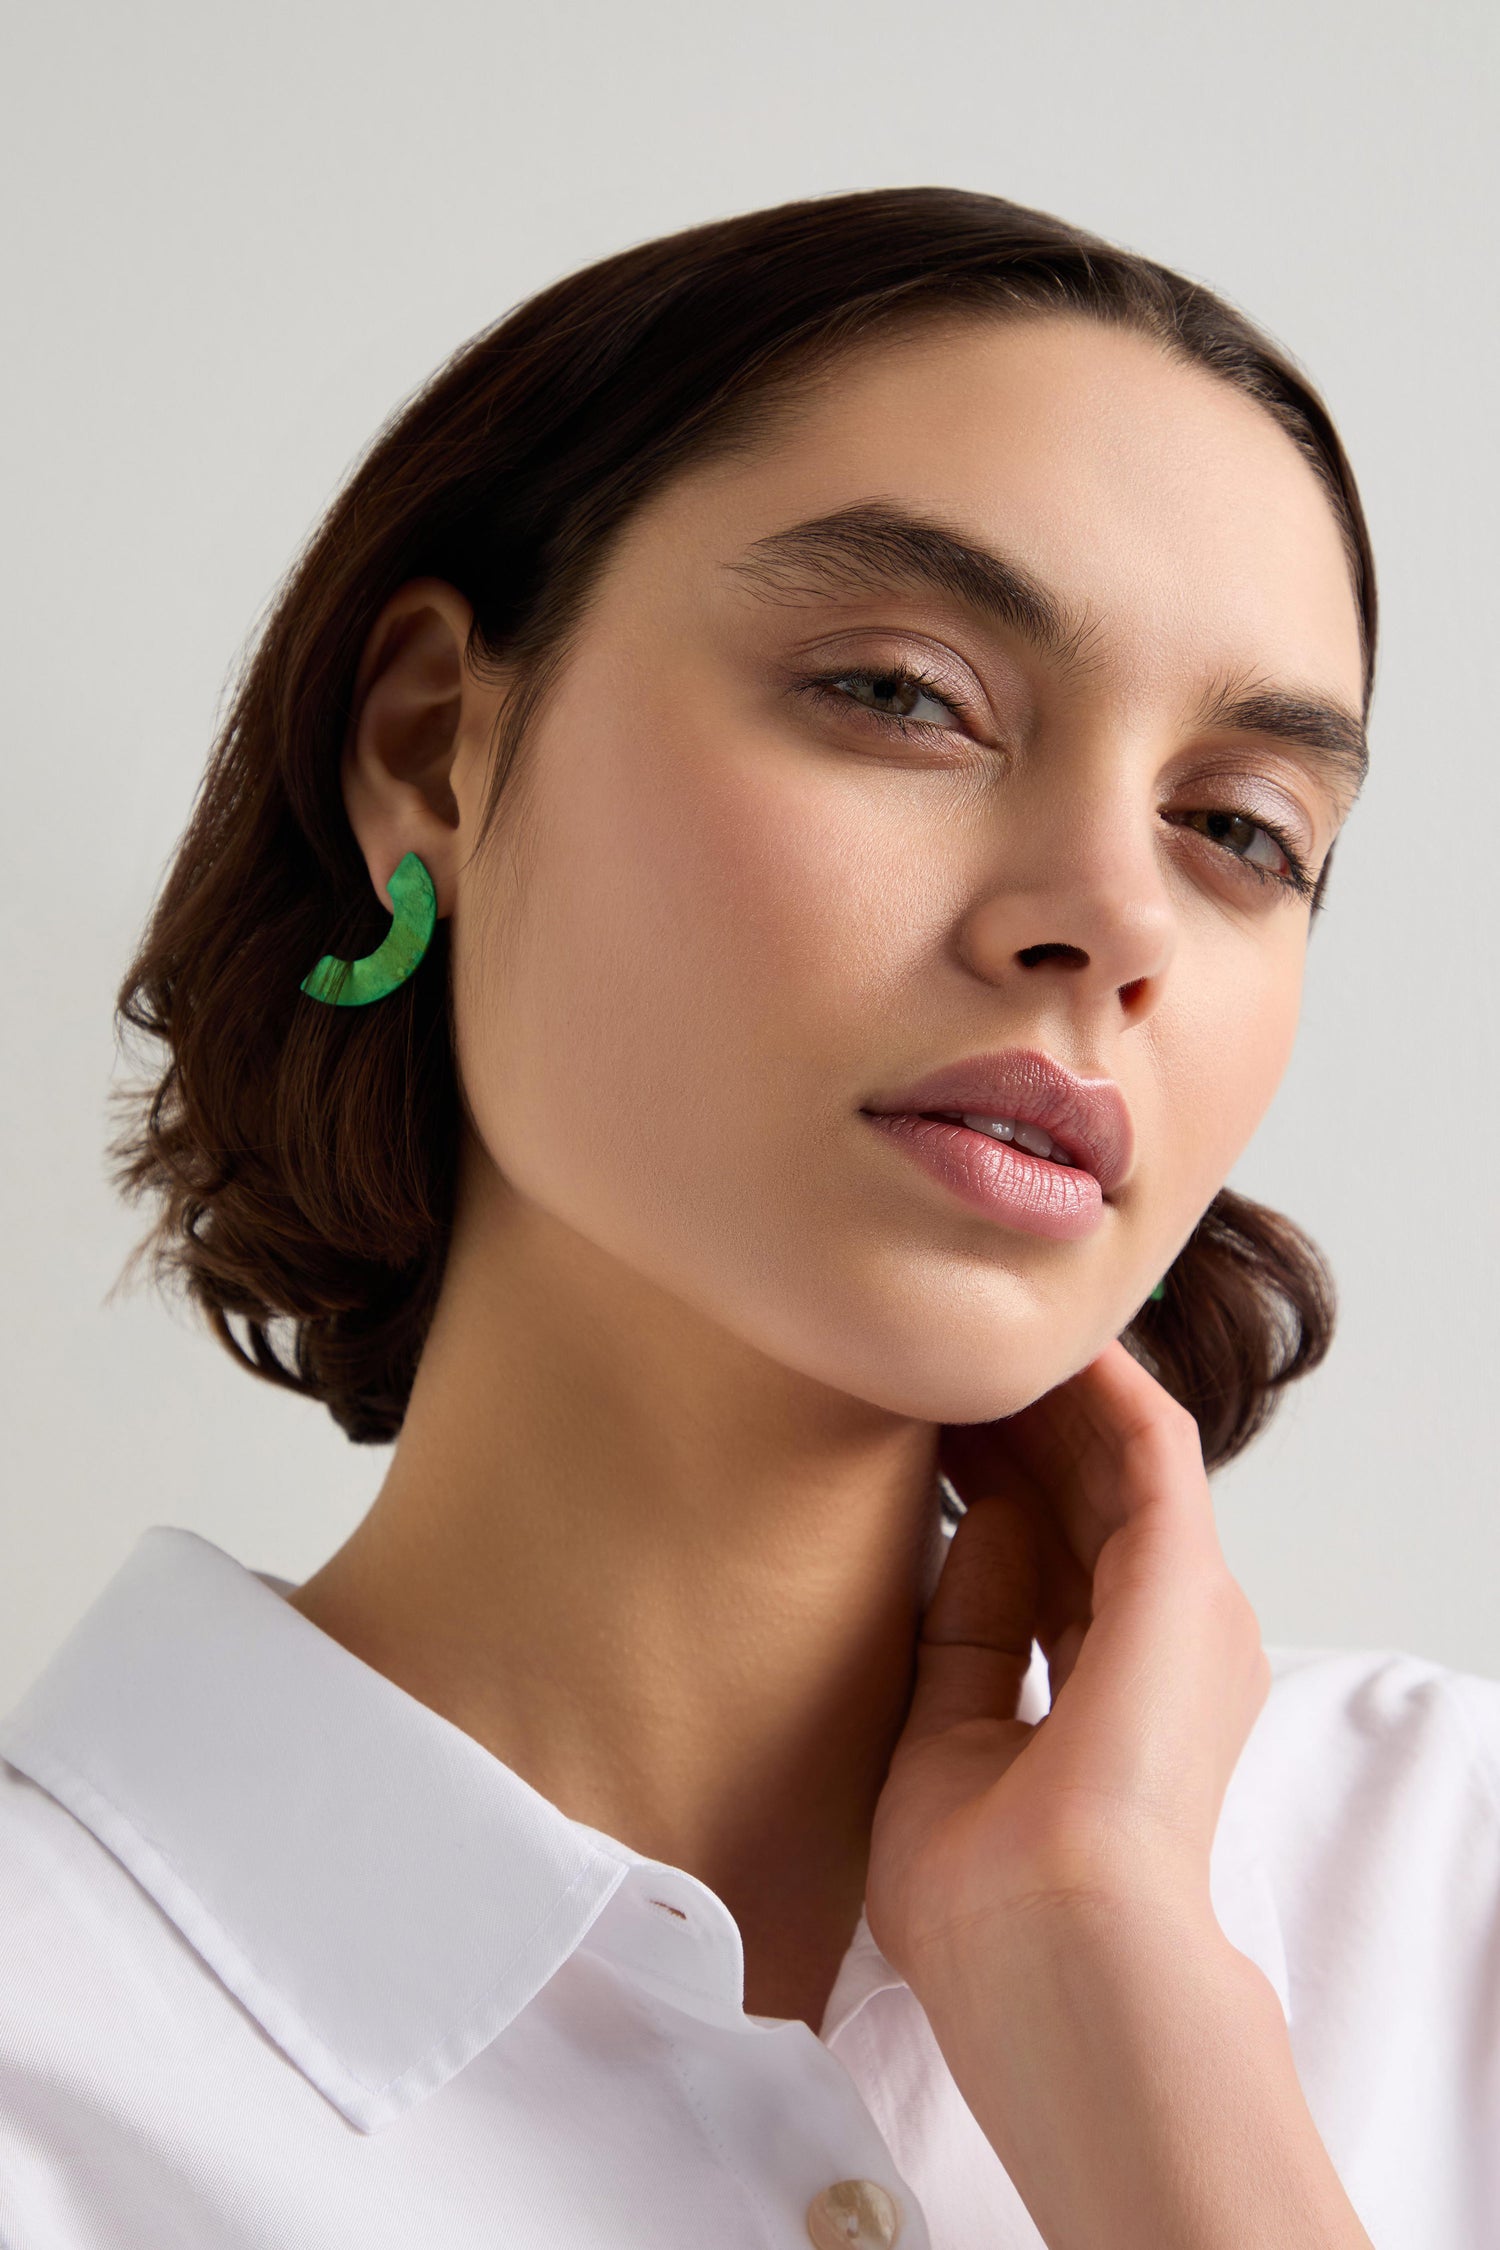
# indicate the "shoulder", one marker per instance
pixel 1383 1722
pixel 1368 1801
pixel 1376 1743
pixel 1370 1785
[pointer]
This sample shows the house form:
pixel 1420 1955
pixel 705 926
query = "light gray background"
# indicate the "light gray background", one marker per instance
pixel 239 236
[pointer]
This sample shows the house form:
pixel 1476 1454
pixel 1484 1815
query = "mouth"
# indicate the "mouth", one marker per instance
pixel 1013 1131
pixel 1024 1100
pixel 1001 1178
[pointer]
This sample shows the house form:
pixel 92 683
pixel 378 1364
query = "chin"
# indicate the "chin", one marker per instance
pixel 926 1362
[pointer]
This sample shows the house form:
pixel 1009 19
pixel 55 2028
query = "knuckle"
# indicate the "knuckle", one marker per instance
pixel 1178 1425
pixel 1184 1423
pixel 1229 1608
pixel 1164 1456
pixel 1236 1631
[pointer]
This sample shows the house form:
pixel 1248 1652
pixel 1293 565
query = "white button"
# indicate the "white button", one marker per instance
pixel 853 2215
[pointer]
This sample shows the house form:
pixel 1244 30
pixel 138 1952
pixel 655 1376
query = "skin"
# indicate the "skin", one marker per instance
pixel 657 1525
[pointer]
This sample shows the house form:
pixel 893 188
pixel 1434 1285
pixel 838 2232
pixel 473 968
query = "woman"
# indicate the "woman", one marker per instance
pixel 824 737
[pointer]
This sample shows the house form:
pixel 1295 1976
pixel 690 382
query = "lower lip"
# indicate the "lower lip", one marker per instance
pixel 1008 1184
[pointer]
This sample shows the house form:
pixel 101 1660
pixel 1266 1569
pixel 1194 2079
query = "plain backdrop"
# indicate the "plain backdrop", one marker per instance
pixel 238 237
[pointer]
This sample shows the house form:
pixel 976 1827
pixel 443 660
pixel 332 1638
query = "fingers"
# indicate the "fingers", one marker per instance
pixel 1110 1469
pixel 975 1642
pixel 979 1462
pixel 1090 1510
pixel 1109 1445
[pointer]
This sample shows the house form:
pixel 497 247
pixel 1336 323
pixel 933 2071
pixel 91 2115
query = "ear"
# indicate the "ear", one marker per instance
pixel 417 708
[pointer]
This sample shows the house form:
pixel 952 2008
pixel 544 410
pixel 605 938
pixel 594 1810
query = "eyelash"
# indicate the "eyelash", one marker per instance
pixel 828 686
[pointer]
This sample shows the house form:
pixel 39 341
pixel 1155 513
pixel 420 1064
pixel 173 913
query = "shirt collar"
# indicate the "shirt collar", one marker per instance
pixel 381 1892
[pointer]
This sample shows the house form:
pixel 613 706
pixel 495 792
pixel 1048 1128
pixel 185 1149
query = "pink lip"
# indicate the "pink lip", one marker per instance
pixel 1086 1116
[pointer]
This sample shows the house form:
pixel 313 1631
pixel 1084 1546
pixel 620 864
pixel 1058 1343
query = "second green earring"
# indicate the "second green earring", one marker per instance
pixel 351 984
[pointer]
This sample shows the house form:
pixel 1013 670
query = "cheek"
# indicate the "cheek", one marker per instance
pixel 1221 1043
pixel 712 941
pixel 690 979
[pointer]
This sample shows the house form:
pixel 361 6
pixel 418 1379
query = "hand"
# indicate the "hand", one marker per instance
pixel 1044 1888
pixel 1089 1528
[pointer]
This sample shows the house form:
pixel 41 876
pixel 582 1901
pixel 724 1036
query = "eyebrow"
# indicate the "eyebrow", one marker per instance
pixel 872 544
pixel 1330 730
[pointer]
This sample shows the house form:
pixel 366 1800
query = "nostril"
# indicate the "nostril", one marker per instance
pixel 1031 955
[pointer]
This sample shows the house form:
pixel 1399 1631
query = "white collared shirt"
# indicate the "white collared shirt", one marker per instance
pixel 290 1962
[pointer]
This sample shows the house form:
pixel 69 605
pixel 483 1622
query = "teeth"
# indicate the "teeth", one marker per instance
pixel 1025 1136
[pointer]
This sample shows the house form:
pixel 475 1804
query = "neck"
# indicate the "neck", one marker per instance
pixel 673 1584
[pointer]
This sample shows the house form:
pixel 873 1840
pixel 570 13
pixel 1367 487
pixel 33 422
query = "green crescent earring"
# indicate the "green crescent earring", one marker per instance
pixel 1158 1292
pixel 350 984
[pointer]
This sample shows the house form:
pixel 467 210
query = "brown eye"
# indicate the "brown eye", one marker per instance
pixel 1237 833
pixel 1271 860
pixel 894 694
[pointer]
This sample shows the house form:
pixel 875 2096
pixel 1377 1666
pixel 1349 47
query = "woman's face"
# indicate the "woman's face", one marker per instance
pixel 745 903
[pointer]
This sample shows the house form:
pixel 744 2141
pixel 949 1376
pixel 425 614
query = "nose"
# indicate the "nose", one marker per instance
pixel 1077 892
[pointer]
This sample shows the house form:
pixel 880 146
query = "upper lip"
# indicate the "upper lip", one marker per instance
pixel 1086 1116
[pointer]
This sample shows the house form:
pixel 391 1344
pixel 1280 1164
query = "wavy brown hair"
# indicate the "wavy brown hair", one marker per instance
pixel 302 1159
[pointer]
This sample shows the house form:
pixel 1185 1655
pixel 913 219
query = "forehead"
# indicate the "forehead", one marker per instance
pixel 1147 492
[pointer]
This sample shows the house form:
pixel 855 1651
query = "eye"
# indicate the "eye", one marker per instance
pixel 897 694
pixel 1272 860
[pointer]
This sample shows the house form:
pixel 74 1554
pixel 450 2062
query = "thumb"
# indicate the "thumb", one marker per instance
pixel 974 1646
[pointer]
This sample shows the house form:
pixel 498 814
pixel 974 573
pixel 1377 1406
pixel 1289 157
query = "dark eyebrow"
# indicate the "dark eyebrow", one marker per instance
pixel 1331 730
pixel 874 543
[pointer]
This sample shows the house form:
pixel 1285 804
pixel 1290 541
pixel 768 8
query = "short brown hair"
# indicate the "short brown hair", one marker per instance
pixel 302 1159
